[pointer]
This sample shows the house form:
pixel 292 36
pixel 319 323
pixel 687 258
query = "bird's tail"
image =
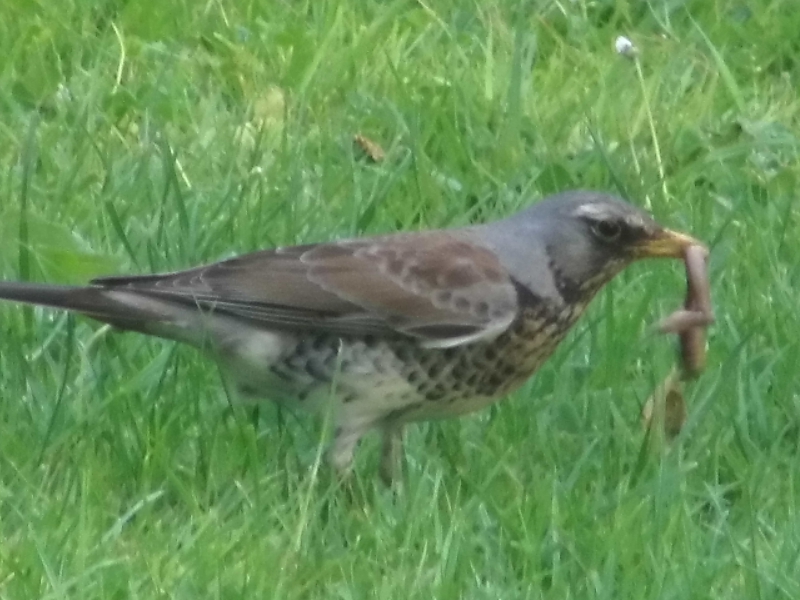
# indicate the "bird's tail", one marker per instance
pixel 92 301
pixel 80 299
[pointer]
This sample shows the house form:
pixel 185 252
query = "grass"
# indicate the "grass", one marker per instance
pixel 139 136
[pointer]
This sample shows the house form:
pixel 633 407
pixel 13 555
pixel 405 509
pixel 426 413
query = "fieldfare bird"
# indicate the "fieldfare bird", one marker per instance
pixel 391 329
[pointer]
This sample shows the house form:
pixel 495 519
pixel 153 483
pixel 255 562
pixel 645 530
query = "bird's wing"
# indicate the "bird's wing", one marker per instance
pixel 437 287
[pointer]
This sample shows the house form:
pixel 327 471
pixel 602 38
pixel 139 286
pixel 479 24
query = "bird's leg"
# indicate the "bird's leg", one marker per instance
pixel 391 467
pixel 341 451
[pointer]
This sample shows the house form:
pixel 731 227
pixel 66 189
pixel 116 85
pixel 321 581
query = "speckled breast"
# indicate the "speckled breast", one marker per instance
pixel 462 379
pixel 397 379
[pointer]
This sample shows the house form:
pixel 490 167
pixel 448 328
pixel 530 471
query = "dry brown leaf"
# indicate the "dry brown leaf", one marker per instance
pixel 665 409
pixel 370 149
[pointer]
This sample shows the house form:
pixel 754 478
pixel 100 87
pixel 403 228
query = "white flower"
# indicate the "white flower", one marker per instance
pixel 625 47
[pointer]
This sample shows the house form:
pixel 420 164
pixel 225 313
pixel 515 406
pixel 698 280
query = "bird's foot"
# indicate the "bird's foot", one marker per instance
pixel 391 466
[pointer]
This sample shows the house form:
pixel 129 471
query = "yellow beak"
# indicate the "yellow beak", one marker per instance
pixel 666 244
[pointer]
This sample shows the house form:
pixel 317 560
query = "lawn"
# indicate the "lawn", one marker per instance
pixel 159 134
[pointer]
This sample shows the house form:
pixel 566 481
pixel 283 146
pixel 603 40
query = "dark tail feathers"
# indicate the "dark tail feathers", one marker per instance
pixel 88 300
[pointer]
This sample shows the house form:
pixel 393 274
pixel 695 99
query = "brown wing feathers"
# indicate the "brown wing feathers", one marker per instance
pixel 436 286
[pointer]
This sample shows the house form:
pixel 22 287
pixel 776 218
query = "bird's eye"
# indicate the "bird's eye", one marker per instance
pixel 607 230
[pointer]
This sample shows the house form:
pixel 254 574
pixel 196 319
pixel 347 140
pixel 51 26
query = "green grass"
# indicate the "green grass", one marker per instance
pixel 151 135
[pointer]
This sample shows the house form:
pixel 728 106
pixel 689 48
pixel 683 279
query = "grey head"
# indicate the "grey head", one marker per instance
pixel 569 245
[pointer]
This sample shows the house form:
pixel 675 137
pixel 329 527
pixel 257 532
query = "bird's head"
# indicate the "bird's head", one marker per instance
pixel 583 239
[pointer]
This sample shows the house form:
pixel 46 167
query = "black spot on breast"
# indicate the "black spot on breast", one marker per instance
pixel 473 380
pixel 403 353
pixel 444 296
pixel 460 371
pixel 380 365
pixel 450 353
pixel 436 393
pixel 494 382
pixel 281 373
pixel 317 369
pixel 507 370
pixel 461 303
pixel 320 343
pixel 397 415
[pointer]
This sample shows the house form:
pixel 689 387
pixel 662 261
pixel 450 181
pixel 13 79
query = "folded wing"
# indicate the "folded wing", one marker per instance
pixel 439 288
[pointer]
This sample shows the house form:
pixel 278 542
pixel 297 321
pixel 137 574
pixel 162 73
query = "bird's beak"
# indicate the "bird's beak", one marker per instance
pixel 666 243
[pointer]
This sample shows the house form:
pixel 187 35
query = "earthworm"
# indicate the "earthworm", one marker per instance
pixel 696 315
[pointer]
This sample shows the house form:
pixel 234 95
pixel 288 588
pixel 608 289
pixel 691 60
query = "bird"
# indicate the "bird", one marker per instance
pixel 392 329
